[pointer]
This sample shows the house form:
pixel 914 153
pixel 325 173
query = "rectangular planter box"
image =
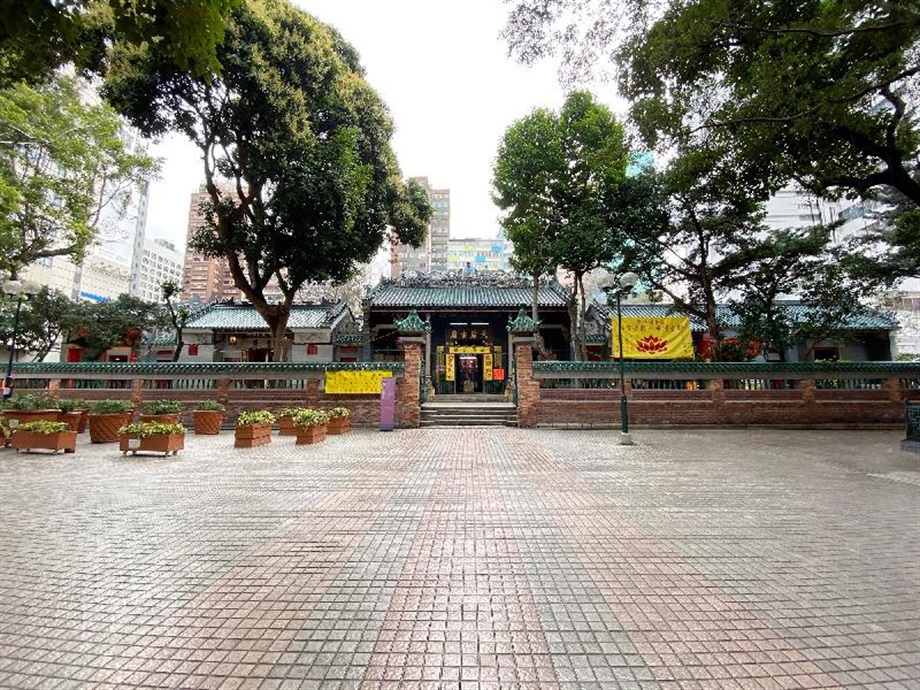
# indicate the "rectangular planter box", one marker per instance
pixel 338 425
pixel 31 440
pixel 286 426
pixel 310 435
pixel 252 435
pixel 161 443
pixel 171 418
pixel 207 422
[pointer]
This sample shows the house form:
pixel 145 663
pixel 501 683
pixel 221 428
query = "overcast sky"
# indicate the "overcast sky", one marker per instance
pixel 443 71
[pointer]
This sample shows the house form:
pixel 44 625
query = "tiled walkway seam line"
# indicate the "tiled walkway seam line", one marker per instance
pixel 689 631
pixel 463 614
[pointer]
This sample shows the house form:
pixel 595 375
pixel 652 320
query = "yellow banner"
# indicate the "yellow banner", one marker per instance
pixel 487 367
pixel 450 362
pixel 652 338
pixel 469 349
pixel 355 382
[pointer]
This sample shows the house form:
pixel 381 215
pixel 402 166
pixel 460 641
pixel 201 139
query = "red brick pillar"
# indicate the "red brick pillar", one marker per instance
pixel 408 403
pixel 528 388
pixel 807 386
pixel 893 386
pixel 54 388
pixel 311 392
pixel 137 393
pixel 223 391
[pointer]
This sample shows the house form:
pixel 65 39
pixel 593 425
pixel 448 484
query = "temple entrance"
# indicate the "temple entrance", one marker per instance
pixel 469 373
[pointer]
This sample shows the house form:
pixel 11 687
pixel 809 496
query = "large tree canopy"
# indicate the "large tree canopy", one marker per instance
pixel 555 178
pixel 821 92
pixel 38 36
pixel 65 170
pixel 302 181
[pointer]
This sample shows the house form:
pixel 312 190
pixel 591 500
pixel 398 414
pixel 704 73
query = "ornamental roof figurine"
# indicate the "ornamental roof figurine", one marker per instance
pixel 523 324
pixel 412 324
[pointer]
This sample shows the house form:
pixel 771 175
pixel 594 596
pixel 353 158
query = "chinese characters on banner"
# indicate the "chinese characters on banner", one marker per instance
pixel 652 338
pixel 487 367
pixel 355 382
pixel 449 364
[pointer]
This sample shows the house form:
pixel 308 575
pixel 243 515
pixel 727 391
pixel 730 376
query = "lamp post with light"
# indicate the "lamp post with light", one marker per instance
pixel 621 286
pixel 20 290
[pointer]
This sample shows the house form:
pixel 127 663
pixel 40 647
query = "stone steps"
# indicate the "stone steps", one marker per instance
pixel 468 413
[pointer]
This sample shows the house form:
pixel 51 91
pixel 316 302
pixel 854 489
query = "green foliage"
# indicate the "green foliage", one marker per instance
pixel 210 406
pixel 307 418
pixel 30 402
pixel 72 405
pixel 177 314
pixel 44 319
pixel 64 166
pixel 112 407
pixel 312 186
pixel 116 322
pixel 820 92
pixel 339 412
pixel 291 411
pixel 37 37
pixel 555 178
pixel 43 426
pixel 162 407
pixel 147 429
pixel 255 417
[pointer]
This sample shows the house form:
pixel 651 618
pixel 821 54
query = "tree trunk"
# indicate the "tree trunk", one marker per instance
pixel 582 346
pixel 535 304
pixel 276 316
pixel 573 322
pixel 180 343
pixel 279 343
pixel 712 325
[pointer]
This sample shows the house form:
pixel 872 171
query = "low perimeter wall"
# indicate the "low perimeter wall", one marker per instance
pixel 587 394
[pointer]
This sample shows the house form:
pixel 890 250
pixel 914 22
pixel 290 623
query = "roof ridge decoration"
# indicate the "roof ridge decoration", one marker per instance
pixel 459 278
pixel 412 324
pixel 522 323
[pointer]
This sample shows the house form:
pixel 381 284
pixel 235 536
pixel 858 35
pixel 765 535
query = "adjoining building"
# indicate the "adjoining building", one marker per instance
pixel 432 255
pixel 160 262
pixel 234 332
pixel 479 254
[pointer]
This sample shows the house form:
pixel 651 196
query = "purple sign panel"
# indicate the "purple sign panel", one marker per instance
pixel 387 403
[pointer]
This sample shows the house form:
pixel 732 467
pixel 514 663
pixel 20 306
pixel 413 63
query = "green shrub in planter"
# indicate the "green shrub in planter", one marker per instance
pixel 74 405
pixel 339 412
pixel 255 417
pixel 112 407
pixel 308 418
pixel 147 429
pixel 29 402
pixel 210 406
pixel 291 411
pixel 44 427
pixel 162 407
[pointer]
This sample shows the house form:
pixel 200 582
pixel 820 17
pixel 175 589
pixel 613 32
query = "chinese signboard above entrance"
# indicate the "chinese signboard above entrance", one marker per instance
pixel 653 338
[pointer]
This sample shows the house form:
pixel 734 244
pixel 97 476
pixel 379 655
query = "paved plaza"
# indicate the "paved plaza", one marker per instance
pixel 466 558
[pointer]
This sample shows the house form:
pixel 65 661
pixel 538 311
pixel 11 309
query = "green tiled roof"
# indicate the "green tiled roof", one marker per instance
pixel 465 297
pixel 244 317
pixel 192 369
pixel 867 319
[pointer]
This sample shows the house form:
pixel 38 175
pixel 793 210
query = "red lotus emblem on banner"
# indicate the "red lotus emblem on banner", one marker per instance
pixel 651 344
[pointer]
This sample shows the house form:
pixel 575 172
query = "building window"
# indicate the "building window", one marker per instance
pixel 312 349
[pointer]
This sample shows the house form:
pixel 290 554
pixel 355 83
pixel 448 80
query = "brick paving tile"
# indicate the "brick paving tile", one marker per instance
pixel 466 558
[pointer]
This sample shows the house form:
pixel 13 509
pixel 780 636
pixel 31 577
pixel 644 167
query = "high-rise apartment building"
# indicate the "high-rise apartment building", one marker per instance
pixel 203 277
pixel 432 254
pixel 479 254
pixel 160 262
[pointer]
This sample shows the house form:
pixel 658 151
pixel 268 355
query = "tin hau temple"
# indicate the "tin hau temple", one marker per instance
pixel 465 318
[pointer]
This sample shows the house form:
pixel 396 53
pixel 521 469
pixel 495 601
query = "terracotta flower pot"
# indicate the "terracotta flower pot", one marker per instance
pixel 72 418
pixel 172 418
pixel 32 440
pixel 311 434
pixel 338 425
pixel 252 435
pixel 103 428
pixel 161 443
pixel 84 416
pixel 207 422
pixel 286 426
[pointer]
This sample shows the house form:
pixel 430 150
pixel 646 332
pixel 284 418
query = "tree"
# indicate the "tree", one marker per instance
pixel 117 322
pixel 554 176
pixel 302 181
pixel 37 37
pixel 889 249
pixel 43 321
pixel 820 92
pixel 65 168
pixel 177 314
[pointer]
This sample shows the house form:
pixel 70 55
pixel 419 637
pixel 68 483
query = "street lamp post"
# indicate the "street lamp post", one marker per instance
pixel 20 290
pixel 625 283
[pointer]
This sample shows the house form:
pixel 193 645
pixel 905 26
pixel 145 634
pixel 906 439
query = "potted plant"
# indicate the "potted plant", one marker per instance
pixel 339 420
pixel 163 411
pixel 74 412
pixel 152 437
pixel 106 417
pixel 208 416
pixel 254 429
pixel 45 435
pixel 286 421
pixel 311 426
pixel 31 407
